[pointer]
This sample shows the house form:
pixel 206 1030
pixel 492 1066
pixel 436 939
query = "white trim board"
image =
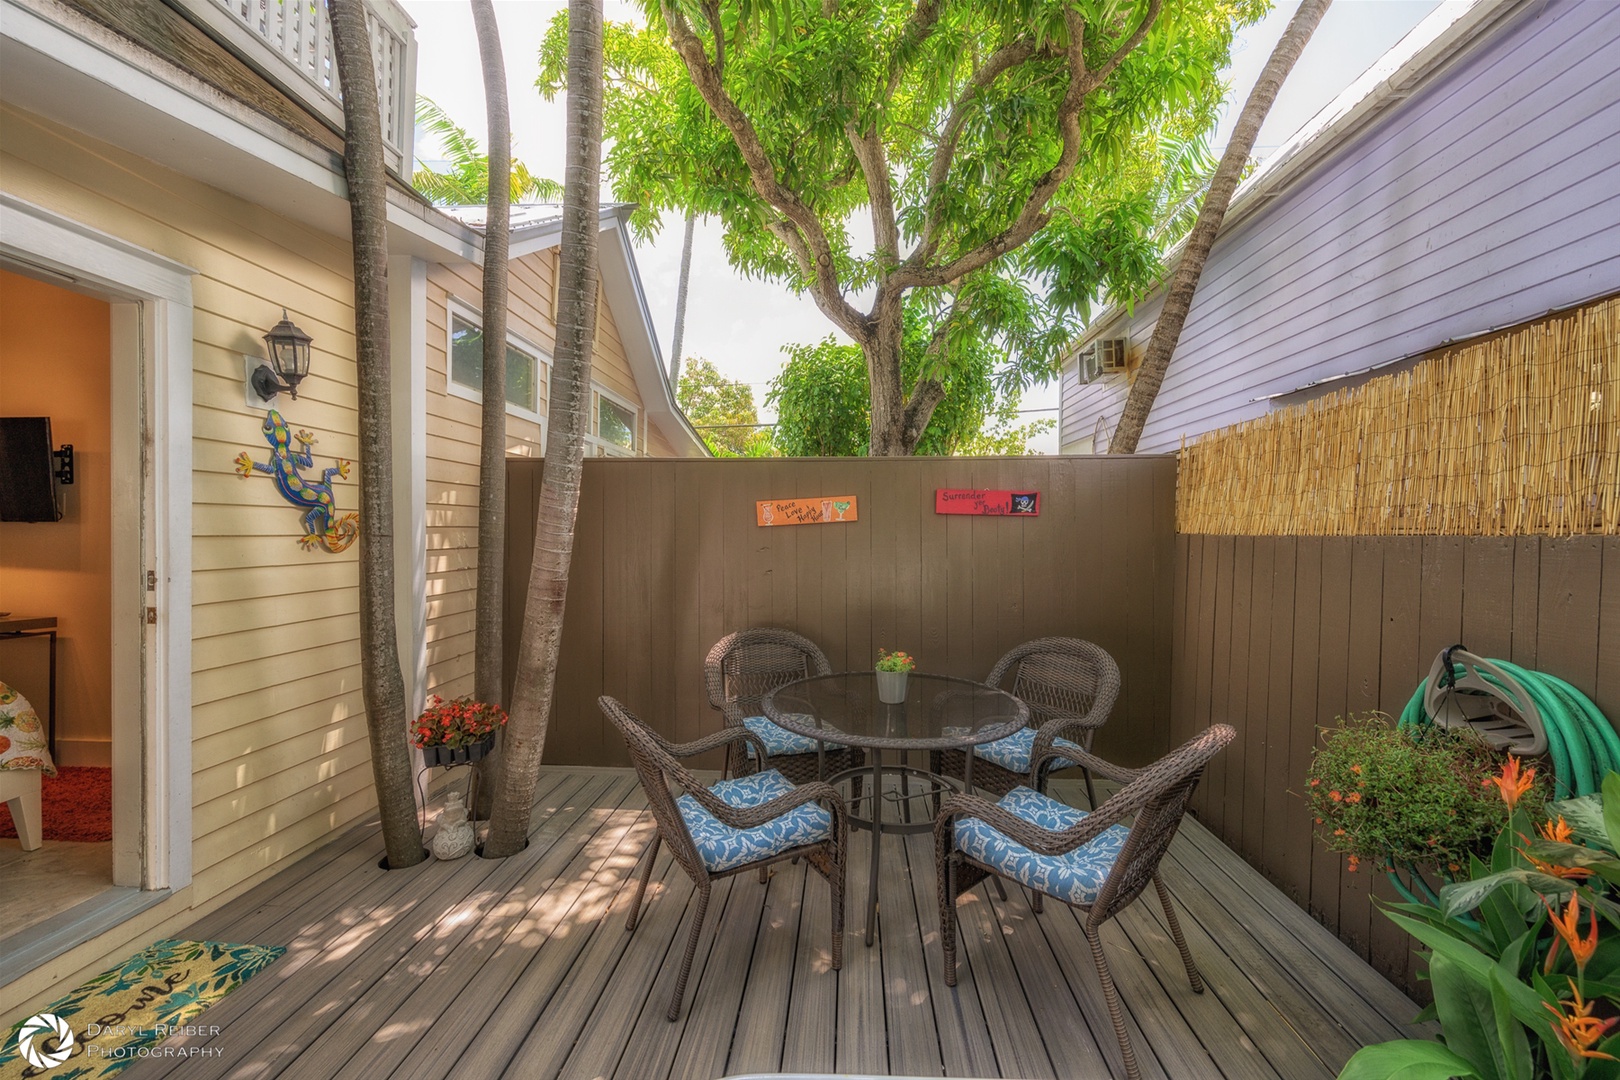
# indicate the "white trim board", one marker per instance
pixel 151 365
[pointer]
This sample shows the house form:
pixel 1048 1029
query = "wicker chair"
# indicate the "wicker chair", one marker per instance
pixel 737 825
pixel 740 670
pixel 1070 687
pixel 1097 862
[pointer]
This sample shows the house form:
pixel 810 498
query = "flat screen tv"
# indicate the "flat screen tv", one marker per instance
pixel 27 472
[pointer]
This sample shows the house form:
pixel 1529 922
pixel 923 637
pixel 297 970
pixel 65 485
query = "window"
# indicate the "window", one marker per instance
pixel 614 423
pixel 524 372
pixel 614 426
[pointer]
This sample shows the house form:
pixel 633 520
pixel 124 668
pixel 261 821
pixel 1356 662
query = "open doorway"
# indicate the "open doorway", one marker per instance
pixel 57 675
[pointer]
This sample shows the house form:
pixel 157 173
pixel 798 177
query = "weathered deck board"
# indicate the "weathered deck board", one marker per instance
pixel 523 968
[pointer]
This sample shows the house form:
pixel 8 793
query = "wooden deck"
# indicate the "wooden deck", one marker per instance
pixel 522 968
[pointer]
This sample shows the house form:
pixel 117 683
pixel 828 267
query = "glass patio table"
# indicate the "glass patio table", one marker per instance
pixel 940 712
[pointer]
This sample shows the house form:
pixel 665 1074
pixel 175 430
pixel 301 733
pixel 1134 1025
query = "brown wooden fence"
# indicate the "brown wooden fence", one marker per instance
pixel 668 559
pixel 1277 635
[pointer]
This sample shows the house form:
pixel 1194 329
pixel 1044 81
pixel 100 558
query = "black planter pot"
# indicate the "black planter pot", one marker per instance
pixel 461 755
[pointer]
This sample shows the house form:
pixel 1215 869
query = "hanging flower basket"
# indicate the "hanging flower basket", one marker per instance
pixel 457 732
pixel 458 755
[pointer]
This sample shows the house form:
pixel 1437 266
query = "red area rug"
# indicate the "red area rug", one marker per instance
pixel 76 805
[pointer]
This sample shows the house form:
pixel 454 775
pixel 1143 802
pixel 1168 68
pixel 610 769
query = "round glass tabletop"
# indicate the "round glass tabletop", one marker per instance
pixel 940 712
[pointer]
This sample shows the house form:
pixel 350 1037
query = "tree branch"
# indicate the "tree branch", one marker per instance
pixel 824 286
pixel 874 165
pixel 1034 214
pixel 1001 61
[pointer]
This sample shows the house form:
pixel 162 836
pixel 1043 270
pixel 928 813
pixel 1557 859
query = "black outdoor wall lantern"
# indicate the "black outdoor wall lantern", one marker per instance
pixel 288 348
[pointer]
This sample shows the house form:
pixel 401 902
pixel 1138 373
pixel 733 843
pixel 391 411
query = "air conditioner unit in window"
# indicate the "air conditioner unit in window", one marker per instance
pixel 1111 353
pixel 1086 363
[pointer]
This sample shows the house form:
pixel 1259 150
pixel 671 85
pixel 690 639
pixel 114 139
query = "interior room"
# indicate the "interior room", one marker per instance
pixel 56 692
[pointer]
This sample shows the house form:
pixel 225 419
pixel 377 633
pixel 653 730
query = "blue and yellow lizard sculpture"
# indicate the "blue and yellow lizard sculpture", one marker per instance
pixel 321 525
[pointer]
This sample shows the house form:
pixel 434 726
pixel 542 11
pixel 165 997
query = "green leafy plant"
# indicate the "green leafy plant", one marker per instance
pixel 895 661
pixel 1526 984
pixel 1407 799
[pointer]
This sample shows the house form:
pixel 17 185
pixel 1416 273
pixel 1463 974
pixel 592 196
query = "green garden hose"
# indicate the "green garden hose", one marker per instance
pixel 1581 742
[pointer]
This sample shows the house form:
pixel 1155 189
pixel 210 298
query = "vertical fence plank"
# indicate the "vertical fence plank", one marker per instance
pixel 1399 663
pixel 1308 866
pixel 1487 602
pixel 1220 681
pixel 1606 690
pixel 1256 718
pixel 1364 656
pixel 1282 801
pixel 1571 586
pixel 1526 599
pixel 1332 682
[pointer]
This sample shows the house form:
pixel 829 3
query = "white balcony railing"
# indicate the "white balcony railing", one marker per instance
pixel 290 43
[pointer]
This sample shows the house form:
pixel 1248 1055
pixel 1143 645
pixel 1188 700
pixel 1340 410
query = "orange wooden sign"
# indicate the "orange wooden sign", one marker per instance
pixel 806 511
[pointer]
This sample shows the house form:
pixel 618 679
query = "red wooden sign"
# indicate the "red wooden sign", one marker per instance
pixel 994 503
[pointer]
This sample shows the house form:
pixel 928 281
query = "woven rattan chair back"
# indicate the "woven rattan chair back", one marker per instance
pixel 743 667
pixel 1059 676
pixel 1165 788
pixel 656 767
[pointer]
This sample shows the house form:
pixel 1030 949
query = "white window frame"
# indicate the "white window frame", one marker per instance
pixel 601 447
pixel 454 308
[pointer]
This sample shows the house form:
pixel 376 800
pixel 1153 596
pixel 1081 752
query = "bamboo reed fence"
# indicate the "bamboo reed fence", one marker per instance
pixel 1514 435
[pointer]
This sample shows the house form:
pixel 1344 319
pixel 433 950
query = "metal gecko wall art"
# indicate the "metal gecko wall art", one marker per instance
pixel 321 524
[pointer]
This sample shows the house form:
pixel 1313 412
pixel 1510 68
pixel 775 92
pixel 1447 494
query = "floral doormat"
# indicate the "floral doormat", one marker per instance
pixel 125 1014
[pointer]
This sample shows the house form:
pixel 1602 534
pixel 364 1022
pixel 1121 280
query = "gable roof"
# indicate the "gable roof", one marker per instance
pixel 538 226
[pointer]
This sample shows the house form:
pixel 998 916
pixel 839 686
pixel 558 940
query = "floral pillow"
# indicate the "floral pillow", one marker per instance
pixel 22 736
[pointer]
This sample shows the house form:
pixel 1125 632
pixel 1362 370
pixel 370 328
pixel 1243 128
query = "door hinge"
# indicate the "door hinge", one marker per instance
pixel 151 616
pixel 151 580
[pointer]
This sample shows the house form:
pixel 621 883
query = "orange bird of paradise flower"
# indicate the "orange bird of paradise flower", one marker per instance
pixel 1512 783
pixel 1558 832
pixel 1569 932
pixel 1578 1029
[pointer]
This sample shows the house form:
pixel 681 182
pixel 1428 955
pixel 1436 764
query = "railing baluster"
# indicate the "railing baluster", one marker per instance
pixel 300 31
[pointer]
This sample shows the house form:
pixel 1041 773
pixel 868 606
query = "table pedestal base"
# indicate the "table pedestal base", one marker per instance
pixel 932 786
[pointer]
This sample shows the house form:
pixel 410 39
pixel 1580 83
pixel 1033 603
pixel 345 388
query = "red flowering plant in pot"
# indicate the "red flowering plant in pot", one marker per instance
pixel 457 732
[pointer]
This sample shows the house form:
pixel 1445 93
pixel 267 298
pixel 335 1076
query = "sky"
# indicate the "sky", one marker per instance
pixel 741 324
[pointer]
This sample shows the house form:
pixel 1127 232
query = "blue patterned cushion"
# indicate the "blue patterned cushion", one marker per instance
pixel 1076 877
pixel 1012 753
pixel 723 848
pixel 779 740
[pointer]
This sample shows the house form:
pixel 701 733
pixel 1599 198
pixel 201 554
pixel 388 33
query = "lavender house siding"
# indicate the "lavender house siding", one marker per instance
pixel 1487 198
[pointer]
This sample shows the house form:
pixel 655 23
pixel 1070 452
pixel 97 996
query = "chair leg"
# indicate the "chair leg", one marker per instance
pixel 1036 901
pixel 836 883
pixel 1091 792
pixel 1001 890
pixel 1193 977
pixel 765 874
pixel 648 859
pixel 1111 996
pixel 945 881
pixel 691 951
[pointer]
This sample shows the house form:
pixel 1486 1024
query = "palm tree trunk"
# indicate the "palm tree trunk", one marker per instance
pixel 679 343
pixel 488 647
pixel 1179 297
pixel 567 417
pixel 382 684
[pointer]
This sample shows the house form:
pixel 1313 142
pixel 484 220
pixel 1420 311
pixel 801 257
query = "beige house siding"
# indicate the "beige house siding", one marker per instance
pixel 452 448
pixel 278 732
